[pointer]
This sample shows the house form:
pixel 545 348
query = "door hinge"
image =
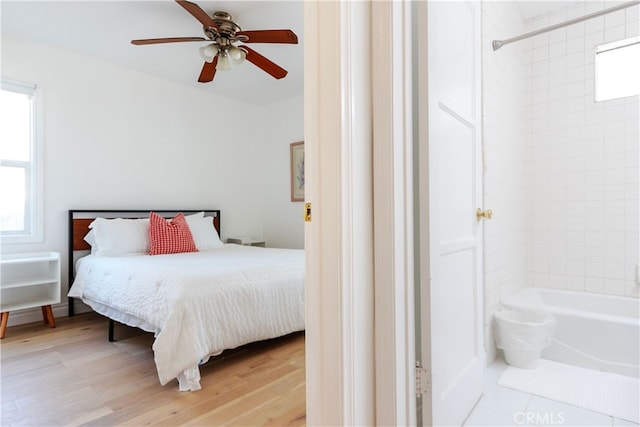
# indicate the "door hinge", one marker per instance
pixel 423 380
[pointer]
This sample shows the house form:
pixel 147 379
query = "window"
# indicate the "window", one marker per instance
pixel 20 170
pixel 617 69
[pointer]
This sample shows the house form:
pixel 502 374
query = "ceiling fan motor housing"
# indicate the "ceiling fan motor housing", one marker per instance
pixel 225 34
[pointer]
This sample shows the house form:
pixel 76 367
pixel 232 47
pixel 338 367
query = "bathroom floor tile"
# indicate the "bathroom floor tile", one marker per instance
pixel 481 417
pixel 502 406
pixel 550 412
pixel 503 400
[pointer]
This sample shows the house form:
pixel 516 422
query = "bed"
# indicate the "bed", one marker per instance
pixel 197 303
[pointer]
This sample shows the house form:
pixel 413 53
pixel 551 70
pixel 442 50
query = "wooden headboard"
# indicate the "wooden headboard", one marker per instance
pixel 79 220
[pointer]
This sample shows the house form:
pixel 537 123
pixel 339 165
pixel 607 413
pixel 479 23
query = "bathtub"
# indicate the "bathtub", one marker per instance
pixel 594 331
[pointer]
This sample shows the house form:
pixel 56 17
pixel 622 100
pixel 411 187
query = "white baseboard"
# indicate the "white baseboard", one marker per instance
pixel 32 315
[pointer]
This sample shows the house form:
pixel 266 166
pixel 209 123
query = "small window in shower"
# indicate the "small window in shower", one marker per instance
pixel 618 69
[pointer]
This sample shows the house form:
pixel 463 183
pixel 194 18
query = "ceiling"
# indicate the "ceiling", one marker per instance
pixel 104 29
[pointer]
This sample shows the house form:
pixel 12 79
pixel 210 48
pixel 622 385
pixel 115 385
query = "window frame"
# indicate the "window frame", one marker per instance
pixel 607 47
pixel 34 206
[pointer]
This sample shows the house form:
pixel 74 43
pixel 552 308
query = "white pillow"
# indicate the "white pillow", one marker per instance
pixel 204 233
pixel 193 216
pixel 119 236
pixel 90 238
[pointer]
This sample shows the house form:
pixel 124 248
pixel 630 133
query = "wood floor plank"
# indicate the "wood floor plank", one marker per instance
pixel 256 399
pixel 39 380
pixel 89 417
pixel 281 412
pixel 54 411
pixel 178 411
pixel 45 358
pixel 72 375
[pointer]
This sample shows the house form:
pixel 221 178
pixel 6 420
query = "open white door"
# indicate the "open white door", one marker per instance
pixel 452 280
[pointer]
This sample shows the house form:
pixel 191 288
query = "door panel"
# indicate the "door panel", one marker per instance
pixel 455 30
pixel 454 193
pixel 456 172
pixel 454 301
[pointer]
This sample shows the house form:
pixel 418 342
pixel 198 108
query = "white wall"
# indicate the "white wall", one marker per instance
pixel 117 138
pixel 504 159
pixel 283 220
pixel 584 159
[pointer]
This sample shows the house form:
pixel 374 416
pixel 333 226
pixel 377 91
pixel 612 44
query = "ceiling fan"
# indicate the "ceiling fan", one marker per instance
pixel 223 34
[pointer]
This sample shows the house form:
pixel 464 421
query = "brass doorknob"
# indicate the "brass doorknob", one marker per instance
pixel 483 214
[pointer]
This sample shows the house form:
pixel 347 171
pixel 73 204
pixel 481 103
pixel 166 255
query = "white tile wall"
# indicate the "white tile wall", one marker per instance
pixel 583 165
pixel 504 156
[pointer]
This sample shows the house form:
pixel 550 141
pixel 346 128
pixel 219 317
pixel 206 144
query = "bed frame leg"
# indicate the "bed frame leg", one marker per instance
pixel 111 330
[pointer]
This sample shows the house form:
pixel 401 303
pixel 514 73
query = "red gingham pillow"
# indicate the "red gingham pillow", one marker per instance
pixel 169 237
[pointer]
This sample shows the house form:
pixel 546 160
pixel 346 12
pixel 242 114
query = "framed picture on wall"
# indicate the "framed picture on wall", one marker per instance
pixel 296 154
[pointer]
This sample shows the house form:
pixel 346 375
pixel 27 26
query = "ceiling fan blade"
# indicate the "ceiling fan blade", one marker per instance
pixel 198 13
pixel 269 36
pixel 265 64
pixel 208 71
pixel 168 40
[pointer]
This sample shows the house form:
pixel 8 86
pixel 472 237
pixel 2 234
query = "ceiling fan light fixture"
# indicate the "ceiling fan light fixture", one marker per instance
pixel 223 62
pixel 237 55
pixel 208 52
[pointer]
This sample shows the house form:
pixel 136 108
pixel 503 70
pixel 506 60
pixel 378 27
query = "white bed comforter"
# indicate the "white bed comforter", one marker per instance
pixel 200 303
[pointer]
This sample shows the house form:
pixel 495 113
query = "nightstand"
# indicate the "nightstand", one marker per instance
pixel 29 280
pixel 247 241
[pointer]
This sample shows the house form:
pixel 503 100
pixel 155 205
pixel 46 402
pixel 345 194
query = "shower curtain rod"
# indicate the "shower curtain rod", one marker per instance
pixel 497 44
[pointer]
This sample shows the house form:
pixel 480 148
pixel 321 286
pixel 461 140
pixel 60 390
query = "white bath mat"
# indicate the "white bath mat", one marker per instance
pixel 611 394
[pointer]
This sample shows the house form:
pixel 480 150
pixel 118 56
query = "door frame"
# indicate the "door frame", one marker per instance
pixel 339 293
pixel 360 320
pixel 394 212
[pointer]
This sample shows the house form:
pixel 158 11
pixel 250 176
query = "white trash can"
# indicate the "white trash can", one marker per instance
pixel 522 334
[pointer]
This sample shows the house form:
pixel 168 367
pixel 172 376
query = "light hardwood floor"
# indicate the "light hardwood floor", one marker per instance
pixel 72 375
